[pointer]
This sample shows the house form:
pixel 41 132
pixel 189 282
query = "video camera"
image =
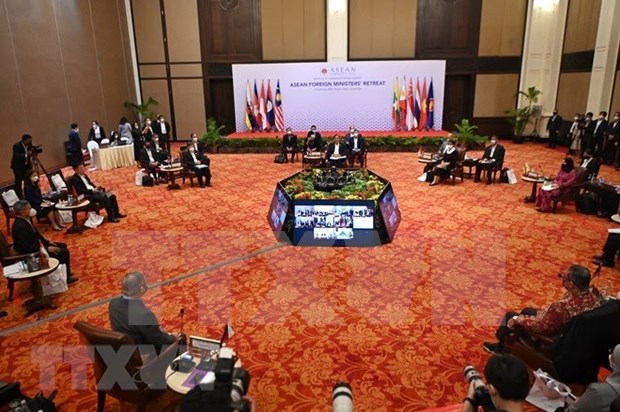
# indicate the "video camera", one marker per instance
pixel 482 398
pixel 35 150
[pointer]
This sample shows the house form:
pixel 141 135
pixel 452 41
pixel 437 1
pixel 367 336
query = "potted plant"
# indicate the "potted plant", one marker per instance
pixel 143 110
pixel 465 134
pixel 212 137
pixel 521 116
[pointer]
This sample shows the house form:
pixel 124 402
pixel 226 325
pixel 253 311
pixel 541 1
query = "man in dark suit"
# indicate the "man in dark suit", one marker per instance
pixel 553 127
pixel 590 164
pixel 20 162
pixel 493 159
pixel 27 239
pixel 96 194
pixel 162 128
pixel 600 132
pixel 162 153
pixel 337 152
pixel 198 145
pixel 129 315
pixel 199 164
pixel 148 160
pixel 613 137
pixel 587 141
pixel 289 144
pixel 356 145
pixel 314 133
pixel 75 145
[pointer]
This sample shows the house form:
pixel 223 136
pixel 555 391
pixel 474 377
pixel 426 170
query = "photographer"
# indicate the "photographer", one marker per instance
pixel 508 384
pixel 20 162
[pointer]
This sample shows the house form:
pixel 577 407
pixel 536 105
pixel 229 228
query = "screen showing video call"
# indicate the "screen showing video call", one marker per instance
pixel 389 211
pixel 278 209
pixel 334 222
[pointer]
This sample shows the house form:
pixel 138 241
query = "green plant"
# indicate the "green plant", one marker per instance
pixel 213 136
pixel 465 132
pixel 521 116
pixel 143 110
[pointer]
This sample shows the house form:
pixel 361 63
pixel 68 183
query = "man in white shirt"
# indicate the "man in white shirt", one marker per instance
pixel 85 187
pixel 162 128
pixel 357 148
pixel 337 152
pixel 197 163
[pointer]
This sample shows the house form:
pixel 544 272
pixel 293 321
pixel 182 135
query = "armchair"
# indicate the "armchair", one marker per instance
pixel 8 257
pixel 8 210
pixel 457 171
pixel 147 378
pixel 570 193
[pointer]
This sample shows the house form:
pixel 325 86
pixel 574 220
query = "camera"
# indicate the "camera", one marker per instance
pixel 482 398
pixel 35 150
pixel 342 397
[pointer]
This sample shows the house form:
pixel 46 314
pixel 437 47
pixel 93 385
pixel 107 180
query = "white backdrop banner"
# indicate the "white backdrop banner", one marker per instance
pixel 385 95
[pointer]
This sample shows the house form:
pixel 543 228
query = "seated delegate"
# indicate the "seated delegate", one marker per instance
pixel 148 160
pixel 313 143
pixel 357 148
pixel 591 164
pixel 198 145
pixel 96 194
pixel 199 164
pixel 27 239
pixel 610 250
pixel 445 166
pixel 492 159
pixel 289 144
pixel 566 177
pixel 578 298
pixel 162 154
pixel 129 315
pixel 32 193
pixel 336 152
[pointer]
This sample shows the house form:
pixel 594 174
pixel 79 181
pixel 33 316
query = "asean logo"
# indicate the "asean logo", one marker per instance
pixel 324 71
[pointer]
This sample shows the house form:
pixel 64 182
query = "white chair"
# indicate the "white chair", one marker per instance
pixel 92 146
pixel 105 142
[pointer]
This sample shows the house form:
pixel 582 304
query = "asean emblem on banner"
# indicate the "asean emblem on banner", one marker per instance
pixel 228 4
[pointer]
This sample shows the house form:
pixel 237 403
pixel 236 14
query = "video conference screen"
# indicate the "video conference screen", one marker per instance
pixel 319 223
pixel 389 211
pixel 279 207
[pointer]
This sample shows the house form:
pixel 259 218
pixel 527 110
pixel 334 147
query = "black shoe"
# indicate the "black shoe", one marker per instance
pixel 603 262
pixel 2 313
pixel 120 215
pixel 72 280
pixel 208 184
pixel 493 348
pixel 113 220
pixel 598 257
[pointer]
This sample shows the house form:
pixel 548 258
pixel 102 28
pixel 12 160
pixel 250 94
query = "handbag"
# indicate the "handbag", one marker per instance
pixel 139 175
pixel 281 158
pixel 512 178
pixel 55 282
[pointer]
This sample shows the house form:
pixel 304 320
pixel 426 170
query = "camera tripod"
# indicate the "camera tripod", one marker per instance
pixel 37 166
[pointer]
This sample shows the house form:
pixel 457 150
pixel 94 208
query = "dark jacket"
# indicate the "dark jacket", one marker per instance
pixel 554 124
pixel 26 239
pixel 498 155
pixel 80 186
pixel 20 162
pixel 600 133
pixel 91 133
pixel 133 318
pixel 144 156
pixel 75 143
pixel 199 146
pixel 32 193
pixel 157 130
pixel 187 158
pixel 289 140
pixel 332 147
pixel 361 143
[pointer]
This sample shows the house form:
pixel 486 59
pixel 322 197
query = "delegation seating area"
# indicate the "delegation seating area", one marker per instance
pixel 399 322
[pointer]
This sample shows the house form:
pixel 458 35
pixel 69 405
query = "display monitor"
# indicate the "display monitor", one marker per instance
pixel 389 210
pixel 278 210
pixel 334 222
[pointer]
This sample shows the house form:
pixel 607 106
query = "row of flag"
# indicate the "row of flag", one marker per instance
pixel 261 114
pixel 412 107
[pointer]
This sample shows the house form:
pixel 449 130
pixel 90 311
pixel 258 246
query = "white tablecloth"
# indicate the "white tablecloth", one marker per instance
pixel 113 157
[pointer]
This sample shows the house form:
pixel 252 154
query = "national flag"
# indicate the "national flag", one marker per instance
pixel 255 104
pixel 403 104
pixel 261 107
pixel 279 111
pixel 430 121
pixel 250 122
pixel 416 103
pixel 411 120
pixel 395 106
pixel 271 116
pixel 423 106
pixel 228 333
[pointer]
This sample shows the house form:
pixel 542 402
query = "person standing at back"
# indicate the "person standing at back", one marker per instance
pixel 75 145
pixel 20 162
pixel 553 127
pixel 600 132
pixel 162 129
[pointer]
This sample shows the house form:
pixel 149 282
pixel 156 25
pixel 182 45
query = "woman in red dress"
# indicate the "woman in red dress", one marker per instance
pixel 565 178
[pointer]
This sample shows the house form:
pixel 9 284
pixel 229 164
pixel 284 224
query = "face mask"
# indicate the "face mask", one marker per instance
pixel 35 179
pixel 576 118
pixel 191 150
pixel 493 142
pixel 449 146
pixel 33 213
pixel 616 118
pixel 148 122
pixel 601 118
pixel 195 139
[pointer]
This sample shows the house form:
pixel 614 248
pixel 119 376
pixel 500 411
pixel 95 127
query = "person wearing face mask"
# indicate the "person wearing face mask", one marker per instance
pixel 314 133
pixel 96 133
pixel 613 138
pixel 600 132
pixel 124 130
pixel 75 145
pixel 27 239
pixel 199 164
pixel 147 130
pixel 199 147
pixel 357 148
pixel 566 177
pixel 289 144
pixel 599 396
pixel 591 164
pixel 508 383
pixel 443 169
pixel 148 161
pixel 162 128
pixel 161 152
pixel 549 322
pixel 32 193
pixel 493 159
pixel 575 134
pixel 138 141
pixel 21 162
pixel 587 139
pixel 95 194
pixel 553 128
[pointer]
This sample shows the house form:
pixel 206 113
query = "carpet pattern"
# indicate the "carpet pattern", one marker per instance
pixel 398 322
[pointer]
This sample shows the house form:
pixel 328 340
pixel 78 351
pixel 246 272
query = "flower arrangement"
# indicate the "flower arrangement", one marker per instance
pixel 365 186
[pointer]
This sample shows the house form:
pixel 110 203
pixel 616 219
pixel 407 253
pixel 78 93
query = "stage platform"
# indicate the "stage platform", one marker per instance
pixel 330 133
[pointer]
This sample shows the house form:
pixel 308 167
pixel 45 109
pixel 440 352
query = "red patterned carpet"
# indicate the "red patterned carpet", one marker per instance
pixel 399 322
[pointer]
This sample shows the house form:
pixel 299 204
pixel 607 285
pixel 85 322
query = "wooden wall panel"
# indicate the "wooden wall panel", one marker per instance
pixel 495 94
pixel 293 29
pixel 458 92
pixel 581 25
pixel 189 107
pixel 573 94
pixel 502 27
pixel 152 70
pixel 615 99
pixel 158 89
pixel 186 70
pixel 148 30
pixel 223 103
pixel 382 30
pixel 182 29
